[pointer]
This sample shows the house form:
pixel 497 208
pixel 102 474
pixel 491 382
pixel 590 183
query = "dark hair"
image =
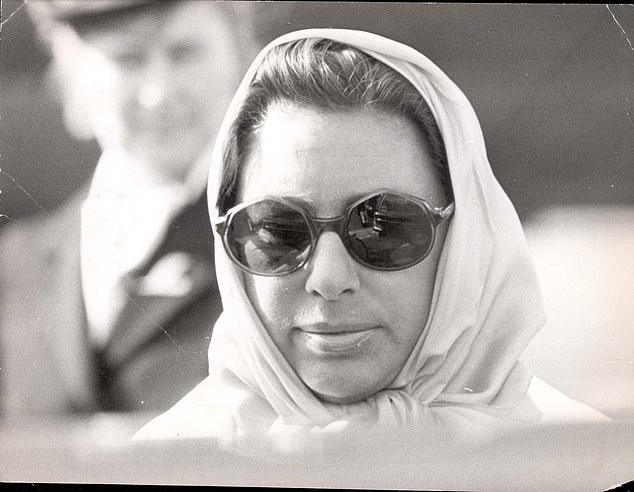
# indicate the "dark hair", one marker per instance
pixel 331 76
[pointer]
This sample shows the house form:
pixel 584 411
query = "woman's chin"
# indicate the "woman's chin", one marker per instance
pixel 344 395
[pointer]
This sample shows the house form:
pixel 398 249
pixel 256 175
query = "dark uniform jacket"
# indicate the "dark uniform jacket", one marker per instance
pixel 157 351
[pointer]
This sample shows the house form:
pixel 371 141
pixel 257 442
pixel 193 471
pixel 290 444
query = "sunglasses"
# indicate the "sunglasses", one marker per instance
pixel 385 231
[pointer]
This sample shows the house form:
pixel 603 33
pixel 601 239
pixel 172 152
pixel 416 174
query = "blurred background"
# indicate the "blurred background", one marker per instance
pixel 553 86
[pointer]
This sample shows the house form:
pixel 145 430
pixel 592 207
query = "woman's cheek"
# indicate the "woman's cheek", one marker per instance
pixel 274 300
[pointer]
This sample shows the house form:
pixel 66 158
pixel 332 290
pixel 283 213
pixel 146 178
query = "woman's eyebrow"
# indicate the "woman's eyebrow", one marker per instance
pixel 302 198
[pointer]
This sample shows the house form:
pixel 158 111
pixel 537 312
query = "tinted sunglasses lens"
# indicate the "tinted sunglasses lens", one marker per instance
pixel 268 237
pixel 390 232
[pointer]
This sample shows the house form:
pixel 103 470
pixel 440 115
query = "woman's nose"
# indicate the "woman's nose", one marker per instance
pixel 332 272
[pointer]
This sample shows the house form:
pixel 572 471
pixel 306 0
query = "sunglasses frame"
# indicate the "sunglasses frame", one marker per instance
pixel 317 225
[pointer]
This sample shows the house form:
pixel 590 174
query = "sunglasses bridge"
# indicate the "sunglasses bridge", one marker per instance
pixel 332 224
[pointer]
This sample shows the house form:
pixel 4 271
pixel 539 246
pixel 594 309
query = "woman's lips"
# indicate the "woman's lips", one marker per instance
pixel 337 340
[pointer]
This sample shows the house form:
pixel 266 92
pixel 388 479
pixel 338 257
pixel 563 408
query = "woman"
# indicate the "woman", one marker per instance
pixel 374 274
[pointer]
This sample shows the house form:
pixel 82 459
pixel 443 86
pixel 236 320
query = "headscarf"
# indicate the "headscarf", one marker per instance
pixel 463 372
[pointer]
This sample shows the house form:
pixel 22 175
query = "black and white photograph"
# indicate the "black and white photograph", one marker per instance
pixel 456 314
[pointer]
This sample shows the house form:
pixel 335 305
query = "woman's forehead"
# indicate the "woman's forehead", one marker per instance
pixel 326 158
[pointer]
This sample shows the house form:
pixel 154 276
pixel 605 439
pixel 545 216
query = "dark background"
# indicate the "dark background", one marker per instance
pixel 553 86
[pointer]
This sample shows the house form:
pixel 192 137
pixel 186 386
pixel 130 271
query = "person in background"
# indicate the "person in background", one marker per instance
pixel 107 304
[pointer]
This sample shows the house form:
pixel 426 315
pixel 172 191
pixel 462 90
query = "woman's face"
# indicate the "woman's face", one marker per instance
pixel 345 329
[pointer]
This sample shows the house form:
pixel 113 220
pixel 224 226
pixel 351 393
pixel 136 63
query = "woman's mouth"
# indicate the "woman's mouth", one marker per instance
pixel 337 341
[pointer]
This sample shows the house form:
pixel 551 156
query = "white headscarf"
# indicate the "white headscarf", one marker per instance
pixel 463 372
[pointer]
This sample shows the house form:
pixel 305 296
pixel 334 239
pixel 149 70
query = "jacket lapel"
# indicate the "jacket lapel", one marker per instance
pixel 179 273
pixel 63 318
pixel 154 304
